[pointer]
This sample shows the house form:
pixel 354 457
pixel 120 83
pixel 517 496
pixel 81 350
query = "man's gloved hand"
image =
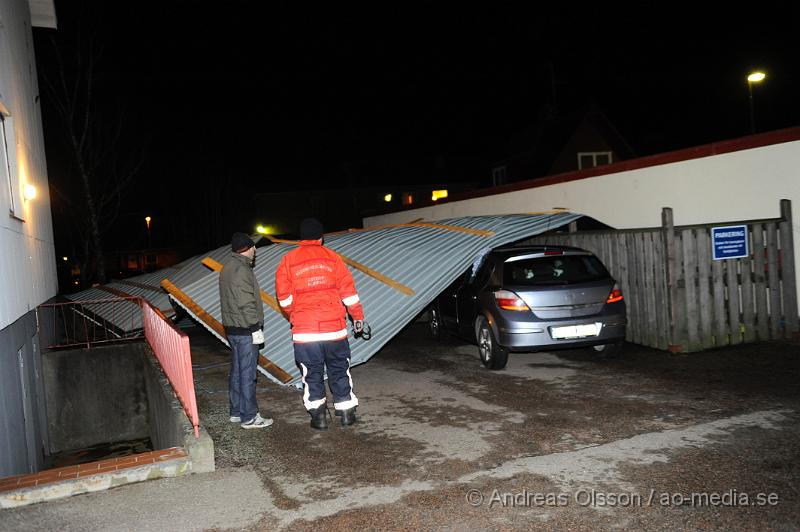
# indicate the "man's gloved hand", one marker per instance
pixel 258 337
pixel 358 327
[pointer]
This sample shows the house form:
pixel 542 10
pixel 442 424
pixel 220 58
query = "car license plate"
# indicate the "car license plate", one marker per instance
pixel 576 331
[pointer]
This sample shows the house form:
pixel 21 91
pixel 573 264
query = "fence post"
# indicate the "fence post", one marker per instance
pixel 670 267
pixel 788 271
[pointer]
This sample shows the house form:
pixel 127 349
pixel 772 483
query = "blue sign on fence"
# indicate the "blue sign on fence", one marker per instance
pixel 729 242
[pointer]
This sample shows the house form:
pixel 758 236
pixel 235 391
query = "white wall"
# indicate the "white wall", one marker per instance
pixel 741 185
pixel 27 253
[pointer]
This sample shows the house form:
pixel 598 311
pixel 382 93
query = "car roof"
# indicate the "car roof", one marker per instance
pixel 505 252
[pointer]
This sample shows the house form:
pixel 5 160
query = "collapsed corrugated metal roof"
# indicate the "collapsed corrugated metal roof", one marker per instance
pixel 148 287
pixel 398 271
pixel 124 316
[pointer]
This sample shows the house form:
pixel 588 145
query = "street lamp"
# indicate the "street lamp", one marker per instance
pixel 753 77
pixel 147 221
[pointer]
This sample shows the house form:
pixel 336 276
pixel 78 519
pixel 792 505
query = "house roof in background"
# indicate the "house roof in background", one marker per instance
pixel 707 150
pixel 541 143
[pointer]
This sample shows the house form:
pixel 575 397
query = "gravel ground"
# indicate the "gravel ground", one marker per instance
pixel 559 440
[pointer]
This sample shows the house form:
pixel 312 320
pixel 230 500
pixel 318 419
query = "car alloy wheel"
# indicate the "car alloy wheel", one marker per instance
pixel 493 355
pixel 485 344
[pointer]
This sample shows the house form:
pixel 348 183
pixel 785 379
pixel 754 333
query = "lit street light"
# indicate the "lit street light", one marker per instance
pixel 147 221
pixel 753 77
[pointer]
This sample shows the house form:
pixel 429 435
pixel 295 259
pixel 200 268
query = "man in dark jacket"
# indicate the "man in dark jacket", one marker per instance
pixel 243 319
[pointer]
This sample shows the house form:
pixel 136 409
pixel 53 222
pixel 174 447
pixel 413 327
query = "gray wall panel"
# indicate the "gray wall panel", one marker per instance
pixel 22 438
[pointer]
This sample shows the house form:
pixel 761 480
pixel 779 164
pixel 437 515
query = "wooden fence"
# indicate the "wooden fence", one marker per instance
pixel 680 299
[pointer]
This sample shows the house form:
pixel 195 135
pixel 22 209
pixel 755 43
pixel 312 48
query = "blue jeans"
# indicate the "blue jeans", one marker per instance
pixel 242 380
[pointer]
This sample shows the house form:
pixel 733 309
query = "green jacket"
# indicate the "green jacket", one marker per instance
pixel 240 297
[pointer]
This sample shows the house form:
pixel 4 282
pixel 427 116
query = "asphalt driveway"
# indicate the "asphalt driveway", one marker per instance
pixel 557 440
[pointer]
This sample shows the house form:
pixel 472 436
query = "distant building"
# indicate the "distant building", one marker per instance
pixel 121 264
pixel 27 253
pixel 582 140
pixel 343 208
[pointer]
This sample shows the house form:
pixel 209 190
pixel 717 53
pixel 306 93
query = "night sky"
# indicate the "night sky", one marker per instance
pixel 223 100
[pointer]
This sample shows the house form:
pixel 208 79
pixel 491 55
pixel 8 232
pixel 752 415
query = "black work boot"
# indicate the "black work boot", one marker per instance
pixel 348 416
pixel 319 418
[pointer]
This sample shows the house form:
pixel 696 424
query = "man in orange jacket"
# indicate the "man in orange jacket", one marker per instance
pixel 314 288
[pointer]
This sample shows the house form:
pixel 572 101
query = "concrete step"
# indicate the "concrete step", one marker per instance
pixel 94 476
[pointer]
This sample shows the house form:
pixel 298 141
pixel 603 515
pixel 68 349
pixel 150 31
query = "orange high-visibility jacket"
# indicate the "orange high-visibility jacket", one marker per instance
pixel 312 282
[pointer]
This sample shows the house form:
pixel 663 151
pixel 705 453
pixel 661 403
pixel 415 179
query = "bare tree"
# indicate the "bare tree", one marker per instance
pixel 93 142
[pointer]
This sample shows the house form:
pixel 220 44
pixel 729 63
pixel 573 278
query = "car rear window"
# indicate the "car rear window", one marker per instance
pixel 554 269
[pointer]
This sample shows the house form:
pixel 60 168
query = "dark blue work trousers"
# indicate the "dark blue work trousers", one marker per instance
pixel 312 358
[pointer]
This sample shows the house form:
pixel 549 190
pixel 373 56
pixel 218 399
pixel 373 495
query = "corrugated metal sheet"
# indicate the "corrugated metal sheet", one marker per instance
pixel 425 259
pixel 124 315
pixel 181 274
pixel 147 287
pixel 190 271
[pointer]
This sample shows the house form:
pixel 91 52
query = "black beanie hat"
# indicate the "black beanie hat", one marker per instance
pixel 241 242
pixel 310 229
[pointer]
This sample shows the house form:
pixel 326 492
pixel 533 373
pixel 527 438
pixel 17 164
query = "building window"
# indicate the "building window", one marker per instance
pixel 408 198
pixel 438 194
pixel 8 163
pixel 590 159
pixel 499 175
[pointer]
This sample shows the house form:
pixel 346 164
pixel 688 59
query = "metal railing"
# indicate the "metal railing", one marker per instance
pixel 88 323
pixel 171 347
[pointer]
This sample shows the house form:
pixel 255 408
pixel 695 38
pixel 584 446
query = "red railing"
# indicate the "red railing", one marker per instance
pixel 171 347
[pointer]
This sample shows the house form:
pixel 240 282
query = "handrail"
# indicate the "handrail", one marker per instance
pixel 171 347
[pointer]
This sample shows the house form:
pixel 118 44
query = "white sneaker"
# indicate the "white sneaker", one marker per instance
pixel 257 422
pixel 237 419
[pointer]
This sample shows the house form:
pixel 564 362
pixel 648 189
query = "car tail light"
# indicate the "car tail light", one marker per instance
pixel 615 295
pixel 508 300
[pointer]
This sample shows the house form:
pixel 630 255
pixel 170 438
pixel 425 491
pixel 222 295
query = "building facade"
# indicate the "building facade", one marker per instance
pixel 27 253
pixel 739 179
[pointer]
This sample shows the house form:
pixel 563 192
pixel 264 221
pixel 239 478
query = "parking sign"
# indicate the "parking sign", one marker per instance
pixel 729 242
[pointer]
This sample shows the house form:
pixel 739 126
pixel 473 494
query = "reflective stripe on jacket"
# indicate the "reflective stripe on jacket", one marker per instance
pixel 314 287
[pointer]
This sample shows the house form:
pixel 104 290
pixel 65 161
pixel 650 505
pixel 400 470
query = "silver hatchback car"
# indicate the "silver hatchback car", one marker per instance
pixel 531 299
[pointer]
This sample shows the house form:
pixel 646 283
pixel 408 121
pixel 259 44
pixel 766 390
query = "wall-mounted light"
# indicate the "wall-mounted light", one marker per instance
pixel 387 198
pixel 261 230
pixel 29 192
pixel 65 259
